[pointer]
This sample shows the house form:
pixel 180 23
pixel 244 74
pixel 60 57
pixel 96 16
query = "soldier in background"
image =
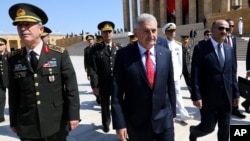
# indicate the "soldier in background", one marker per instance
pixel 132 38
pixel 3 77
pixel 45 35
pixel 186 56
pixel 99 38
pixel 101 69
pixel 87 54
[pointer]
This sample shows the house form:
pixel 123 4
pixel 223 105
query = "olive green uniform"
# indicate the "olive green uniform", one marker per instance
pixel 41 101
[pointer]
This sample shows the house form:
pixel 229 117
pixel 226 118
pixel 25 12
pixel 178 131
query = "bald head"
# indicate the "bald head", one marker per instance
pixel 219 30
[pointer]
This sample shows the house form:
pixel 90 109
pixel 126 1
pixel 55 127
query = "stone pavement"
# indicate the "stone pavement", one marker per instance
pixel 90 128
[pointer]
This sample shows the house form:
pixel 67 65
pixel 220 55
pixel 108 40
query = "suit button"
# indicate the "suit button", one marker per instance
pixel 37 93
pixel 38 102
pixel 36 84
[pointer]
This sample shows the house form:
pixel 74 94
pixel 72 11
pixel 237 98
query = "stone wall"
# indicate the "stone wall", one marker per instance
pixel 234 15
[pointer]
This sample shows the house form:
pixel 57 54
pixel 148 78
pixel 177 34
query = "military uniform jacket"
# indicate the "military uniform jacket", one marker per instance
pixel 186 59
pixel 41 101
pixel 87 57
pixel 101 66
pixel 4 81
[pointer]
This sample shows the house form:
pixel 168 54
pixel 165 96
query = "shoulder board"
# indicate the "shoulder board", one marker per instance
pixel 20 52
pixel 178 42
pixel 57 48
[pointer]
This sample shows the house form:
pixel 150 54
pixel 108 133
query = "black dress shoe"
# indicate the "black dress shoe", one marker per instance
pixel 237 113
pixel 191 136
pixel 105 129
pixel 246 106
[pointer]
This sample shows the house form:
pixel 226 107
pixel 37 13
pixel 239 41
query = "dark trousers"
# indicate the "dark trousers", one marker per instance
pixel 147 134
pixel 59 136
pixel 210 115
pixel 105 103
pixel 2 102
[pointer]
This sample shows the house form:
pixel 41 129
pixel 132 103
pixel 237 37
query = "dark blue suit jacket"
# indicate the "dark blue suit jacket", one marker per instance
pixel 133 102
pixel 208 77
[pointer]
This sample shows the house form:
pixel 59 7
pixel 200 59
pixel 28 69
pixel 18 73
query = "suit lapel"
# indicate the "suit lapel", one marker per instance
pixel 214 56
pixel 138 63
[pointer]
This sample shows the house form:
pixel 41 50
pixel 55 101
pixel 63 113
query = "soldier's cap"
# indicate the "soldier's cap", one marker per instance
pixel 3 41
pixel 89 37
pixel 106 26
pixel 132 37
pixel 24 12
pixel 168 27
pixel 46 31
pixel 184 37
pixel 240 18
pixel 99 38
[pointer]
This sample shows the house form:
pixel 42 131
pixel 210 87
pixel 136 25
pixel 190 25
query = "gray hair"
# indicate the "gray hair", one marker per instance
pixel 144 17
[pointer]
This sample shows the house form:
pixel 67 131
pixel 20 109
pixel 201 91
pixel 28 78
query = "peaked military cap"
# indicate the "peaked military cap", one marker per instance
pixel 106 26
pixel 132 37
pixel 3 41
pixel 168 27
pixel 184 37
pixel 89 37
pixel 46 31
pixel 24 12
pixel 99 38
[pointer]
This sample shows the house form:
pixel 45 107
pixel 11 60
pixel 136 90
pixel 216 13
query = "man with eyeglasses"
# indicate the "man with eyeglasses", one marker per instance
pixel 214 84
pixel 231 41
pixel 101 69
pixel 43 94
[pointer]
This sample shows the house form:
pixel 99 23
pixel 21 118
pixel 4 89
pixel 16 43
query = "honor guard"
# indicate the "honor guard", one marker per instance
pixel 101 69
pixel 45 35
pixel 3 76
pixel 43 92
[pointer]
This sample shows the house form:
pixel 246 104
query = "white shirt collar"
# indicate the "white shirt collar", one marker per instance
pixel 36 49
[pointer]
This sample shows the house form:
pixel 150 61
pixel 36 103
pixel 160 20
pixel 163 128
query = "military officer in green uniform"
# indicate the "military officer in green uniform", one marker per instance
pixel 101 69
pixel 3 77
pixel 43 93
pixel 186 57
pixel 45 35
pixel 91 42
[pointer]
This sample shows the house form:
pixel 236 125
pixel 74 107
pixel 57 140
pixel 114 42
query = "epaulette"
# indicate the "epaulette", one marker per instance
pixel 16 52
pixel 178 42
pixel 57 48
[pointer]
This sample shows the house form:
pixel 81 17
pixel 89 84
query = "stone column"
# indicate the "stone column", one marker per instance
pixel 163 13
pixel 152 7
pixel 192 11
pixel 134 11
pixel 178 12
pixel 245 4
pixel 225 5
pixel 126 15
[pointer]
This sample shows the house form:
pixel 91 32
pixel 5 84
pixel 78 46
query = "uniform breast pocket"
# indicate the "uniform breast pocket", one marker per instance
pixel 99 55
pixel 20 74
pixel 50 76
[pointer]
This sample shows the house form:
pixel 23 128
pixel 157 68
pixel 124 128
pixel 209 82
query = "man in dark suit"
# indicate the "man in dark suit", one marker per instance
pixel 192 35
pixel 43 93
pixel 143 91
pixel 231 41
pixel 3 77
pixel 101 69
pixel 214 83
pixel 207 34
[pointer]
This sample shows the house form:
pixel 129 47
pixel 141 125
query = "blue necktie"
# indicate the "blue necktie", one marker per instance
pixel 220 56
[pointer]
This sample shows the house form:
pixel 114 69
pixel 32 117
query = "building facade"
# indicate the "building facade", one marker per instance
pixel 177 11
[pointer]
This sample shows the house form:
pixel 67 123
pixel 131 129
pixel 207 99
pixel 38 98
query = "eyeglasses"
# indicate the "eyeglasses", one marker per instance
pixel 221 28
pixel 231 25
pixel 208 34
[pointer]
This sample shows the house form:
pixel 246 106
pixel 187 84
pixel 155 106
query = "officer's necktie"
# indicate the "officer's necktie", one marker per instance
pixel 150 69
pixel 220 56
pixel 33 60
pixel 109 48
pixel 229 41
